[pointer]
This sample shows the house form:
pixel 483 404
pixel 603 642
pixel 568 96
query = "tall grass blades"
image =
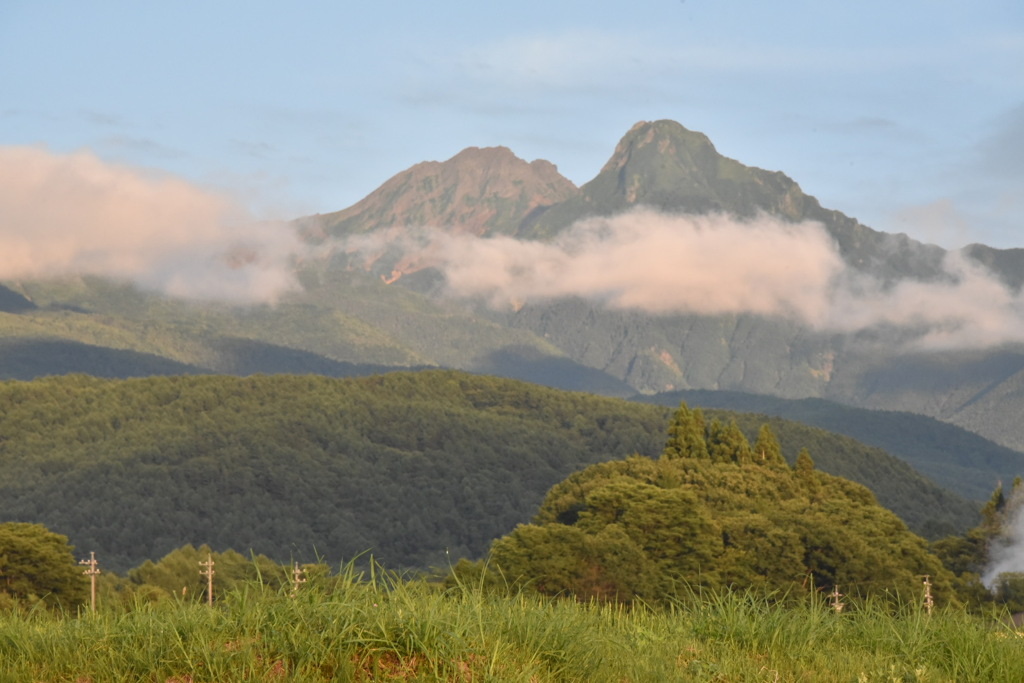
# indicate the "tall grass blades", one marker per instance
pixel 381 627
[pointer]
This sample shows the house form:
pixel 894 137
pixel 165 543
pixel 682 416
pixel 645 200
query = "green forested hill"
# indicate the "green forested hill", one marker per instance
pixel 405 465
pixel 714 511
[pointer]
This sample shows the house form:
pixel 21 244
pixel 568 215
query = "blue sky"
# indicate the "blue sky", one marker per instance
pixel 908 116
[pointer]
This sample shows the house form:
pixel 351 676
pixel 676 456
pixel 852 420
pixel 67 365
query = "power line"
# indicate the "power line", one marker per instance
pixel 208 572
pixel 92 572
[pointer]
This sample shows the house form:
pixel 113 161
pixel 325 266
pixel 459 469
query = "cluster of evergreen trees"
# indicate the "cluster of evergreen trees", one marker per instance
pixel 714 512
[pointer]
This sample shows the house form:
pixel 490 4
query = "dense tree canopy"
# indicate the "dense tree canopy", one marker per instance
pixel 405 466
pixel 38 565
pixel 714 512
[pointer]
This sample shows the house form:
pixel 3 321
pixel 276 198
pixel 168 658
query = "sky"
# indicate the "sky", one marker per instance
pixel 908 116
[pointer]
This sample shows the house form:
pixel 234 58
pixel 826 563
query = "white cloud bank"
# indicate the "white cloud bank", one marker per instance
pixel 667 264
pixel 75 214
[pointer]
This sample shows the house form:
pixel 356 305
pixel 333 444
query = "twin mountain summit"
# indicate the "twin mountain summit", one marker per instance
pixel 375 298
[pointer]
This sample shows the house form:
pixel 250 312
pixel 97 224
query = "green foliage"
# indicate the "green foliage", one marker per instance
pixel 392 630
pixel 724 520
pixel 38 565
pixel 178 573
pixel 726 443
pixel 404 465
pixel 767 449
pixel 951 456
pixel 686 434
pixel 927 509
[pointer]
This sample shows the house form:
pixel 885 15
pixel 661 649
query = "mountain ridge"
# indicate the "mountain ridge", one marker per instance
pixel 348 313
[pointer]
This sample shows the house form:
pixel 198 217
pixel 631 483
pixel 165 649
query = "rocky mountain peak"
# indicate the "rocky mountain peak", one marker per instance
pixel 661 138
pixel 480 190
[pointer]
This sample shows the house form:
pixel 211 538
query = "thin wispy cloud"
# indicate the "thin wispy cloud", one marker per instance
pixel 937 222
pixel 576 58
pixel 128 144
pixel 571 59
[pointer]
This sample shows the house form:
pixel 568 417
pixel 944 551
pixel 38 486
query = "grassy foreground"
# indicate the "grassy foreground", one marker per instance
pixel 395 631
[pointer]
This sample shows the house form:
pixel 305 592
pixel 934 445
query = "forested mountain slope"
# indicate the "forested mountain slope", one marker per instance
pixel 409 466
pixel 345 324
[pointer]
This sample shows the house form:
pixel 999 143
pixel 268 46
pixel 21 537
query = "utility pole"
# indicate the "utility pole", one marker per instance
pixel 836 603
pixel 92 572
pixel 208 572
pixel 929 601
pixel 297 579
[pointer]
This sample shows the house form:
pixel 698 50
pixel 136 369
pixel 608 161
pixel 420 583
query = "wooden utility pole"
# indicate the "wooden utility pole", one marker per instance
pixel 836 603
pixel 92 572
pixel 929 601
pixel 208 572
pixel 297 579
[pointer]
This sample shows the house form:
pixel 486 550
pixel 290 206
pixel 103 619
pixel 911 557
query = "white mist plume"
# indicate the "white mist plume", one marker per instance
pixel 1006 553
pixel 714 264
pixel 75 214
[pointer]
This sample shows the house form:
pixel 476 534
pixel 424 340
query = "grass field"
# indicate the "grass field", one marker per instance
pixel 350 629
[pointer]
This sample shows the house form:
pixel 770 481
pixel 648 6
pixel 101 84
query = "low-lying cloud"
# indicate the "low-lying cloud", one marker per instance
pixel 661 264
pixel 75 214
pixel 715 264
pixel 970 308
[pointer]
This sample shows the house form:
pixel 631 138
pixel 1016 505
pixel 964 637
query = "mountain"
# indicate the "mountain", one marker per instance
pixel 385 308
pixel 478 191
pixel 665 166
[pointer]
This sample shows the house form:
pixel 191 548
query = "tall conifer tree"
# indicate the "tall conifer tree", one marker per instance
pixel 767 450
pixel 686 434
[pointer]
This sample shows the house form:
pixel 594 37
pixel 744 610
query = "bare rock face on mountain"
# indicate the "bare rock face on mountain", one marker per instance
pixel 481 191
